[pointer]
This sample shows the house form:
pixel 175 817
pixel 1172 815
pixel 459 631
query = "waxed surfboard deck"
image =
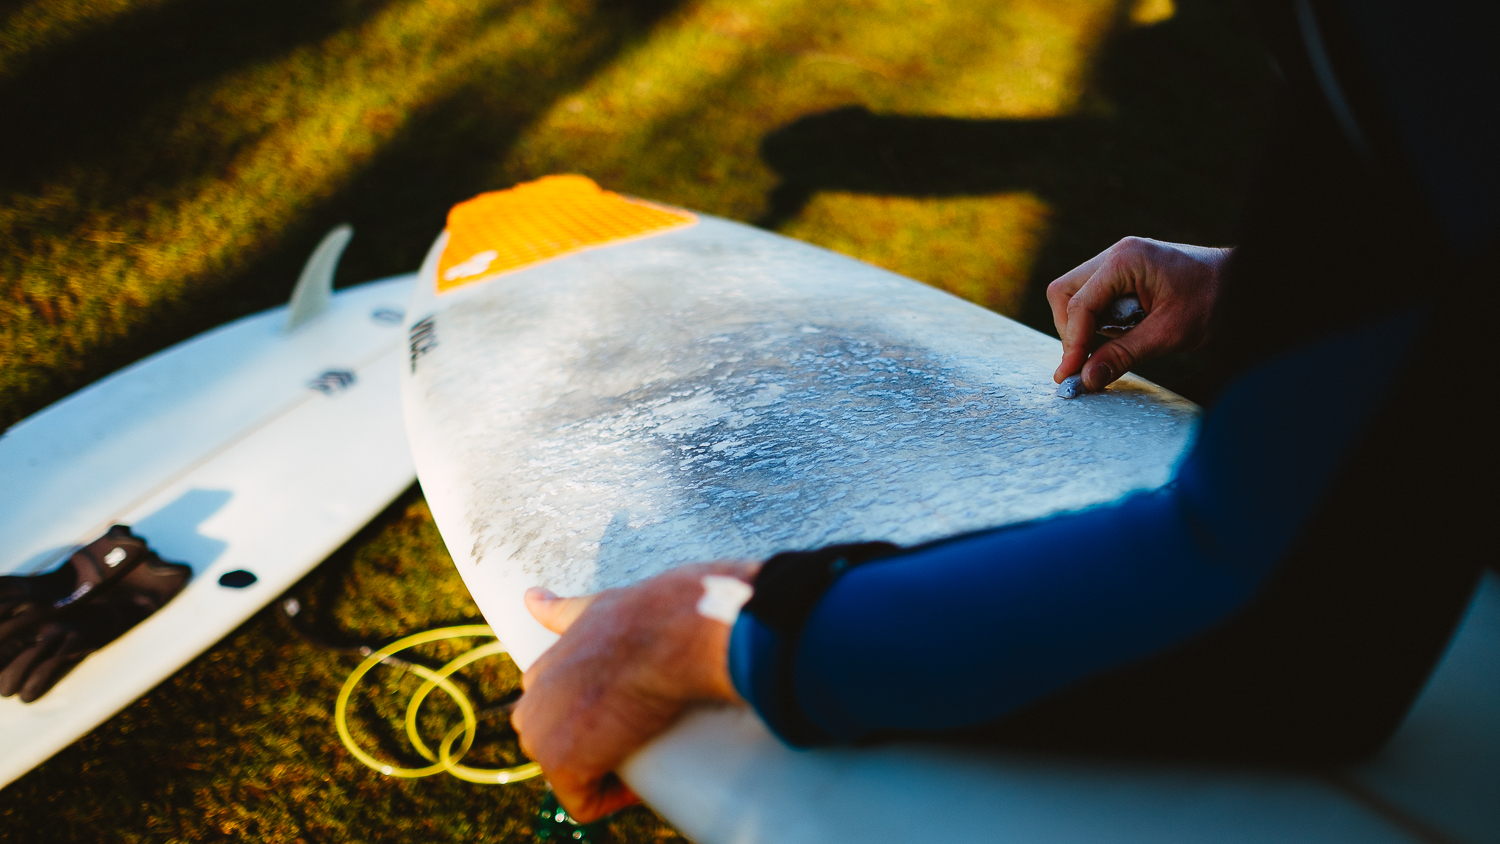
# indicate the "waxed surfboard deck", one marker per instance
pixel 717 391
pixel 246 448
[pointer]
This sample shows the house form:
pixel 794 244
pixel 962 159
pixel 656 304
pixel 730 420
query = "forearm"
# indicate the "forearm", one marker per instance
pixel 988 623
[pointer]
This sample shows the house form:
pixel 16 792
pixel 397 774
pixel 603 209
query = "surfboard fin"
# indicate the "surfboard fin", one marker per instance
pixel 314 288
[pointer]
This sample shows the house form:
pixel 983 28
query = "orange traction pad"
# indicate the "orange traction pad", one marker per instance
pixel 506 230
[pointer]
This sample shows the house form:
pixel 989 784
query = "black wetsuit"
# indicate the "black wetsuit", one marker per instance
pixel 1284 598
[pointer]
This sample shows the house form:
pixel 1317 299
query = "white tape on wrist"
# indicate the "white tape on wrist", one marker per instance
pixel 723 597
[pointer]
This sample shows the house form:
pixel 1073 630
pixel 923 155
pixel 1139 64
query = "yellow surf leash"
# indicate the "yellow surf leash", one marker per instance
pixel 444 759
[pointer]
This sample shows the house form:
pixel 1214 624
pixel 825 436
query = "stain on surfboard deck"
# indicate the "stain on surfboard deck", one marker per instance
pixel 638 416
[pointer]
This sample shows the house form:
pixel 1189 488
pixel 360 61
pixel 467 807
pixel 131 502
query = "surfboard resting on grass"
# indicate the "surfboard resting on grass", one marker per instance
pixel 1280 599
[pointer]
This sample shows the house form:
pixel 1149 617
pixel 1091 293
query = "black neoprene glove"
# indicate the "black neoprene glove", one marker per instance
pixel 48 622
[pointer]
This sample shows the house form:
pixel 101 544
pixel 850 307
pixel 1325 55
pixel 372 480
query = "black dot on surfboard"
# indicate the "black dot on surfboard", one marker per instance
pixel 237 579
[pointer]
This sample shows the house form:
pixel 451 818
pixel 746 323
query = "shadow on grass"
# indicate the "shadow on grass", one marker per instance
pixel 85 98
pixel 1161 147
pixel 82 100
pixel 449 153
pixel 96 102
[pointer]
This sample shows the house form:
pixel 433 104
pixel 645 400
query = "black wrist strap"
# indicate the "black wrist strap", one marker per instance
pixel 791 583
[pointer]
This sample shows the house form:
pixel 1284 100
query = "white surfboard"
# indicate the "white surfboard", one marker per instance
pixel 707 390
pixel 260 446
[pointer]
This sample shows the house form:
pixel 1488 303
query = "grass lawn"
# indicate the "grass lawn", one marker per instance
pixel 168 164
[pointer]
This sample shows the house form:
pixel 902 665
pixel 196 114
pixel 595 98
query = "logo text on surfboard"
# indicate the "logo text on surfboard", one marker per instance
pixel 332 382
pixel 532 222
pixel 423 340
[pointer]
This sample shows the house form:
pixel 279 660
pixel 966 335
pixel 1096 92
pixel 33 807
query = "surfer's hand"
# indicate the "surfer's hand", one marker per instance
pixel 629 661
pixel 1177 285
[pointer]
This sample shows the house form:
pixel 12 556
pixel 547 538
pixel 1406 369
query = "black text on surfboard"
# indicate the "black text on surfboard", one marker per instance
pixel 332 382
pixel 423 340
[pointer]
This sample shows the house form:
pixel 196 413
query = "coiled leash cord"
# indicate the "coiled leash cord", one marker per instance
pixel 445 759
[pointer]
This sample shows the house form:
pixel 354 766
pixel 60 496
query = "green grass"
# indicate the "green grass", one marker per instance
pixel 167 165
pixel 240 745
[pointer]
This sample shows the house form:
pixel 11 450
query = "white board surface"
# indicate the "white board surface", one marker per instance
pixel 721 392
pixel 243 448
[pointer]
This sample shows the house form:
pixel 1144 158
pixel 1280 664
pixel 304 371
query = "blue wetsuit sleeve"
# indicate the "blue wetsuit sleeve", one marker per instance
pixel 983 624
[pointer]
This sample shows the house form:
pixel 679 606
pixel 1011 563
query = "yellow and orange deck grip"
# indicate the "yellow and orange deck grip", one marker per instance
pixel 507 230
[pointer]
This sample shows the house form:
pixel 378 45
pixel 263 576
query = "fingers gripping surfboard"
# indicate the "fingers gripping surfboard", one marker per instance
pixel 599 388
pixel 248 453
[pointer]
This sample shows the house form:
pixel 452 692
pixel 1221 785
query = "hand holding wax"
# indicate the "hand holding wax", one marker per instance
pixel 1174 284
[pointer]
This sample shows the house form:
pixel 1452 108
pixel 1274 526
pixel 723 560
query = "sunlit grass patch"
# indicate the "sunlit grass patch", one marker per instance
pixel 973 247
pixel 110 242
pixel 681 117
